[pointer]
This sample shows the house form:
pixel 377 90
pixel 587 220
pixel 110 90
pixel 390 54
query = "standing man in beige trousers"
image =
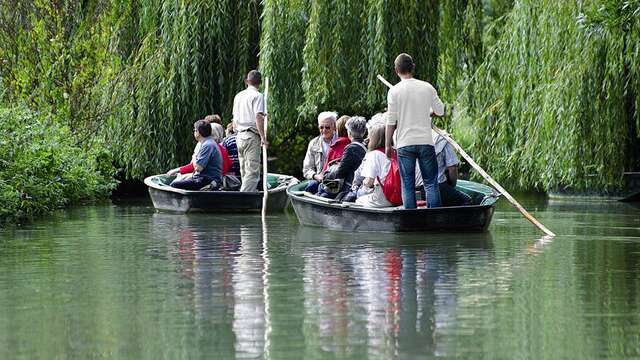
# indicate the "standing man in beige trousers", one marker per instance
pixel 248 116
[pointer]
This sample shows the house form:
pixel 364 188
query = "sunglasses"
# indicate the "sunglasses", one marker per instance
pixel 324 127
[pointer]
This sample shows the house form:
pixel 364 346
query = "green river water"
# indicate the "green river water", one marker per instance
pixel 122 281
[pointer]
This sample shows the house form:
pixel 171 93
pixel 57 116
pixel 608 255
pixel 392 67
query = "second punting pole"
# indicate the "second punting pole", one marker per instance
pixel 484 174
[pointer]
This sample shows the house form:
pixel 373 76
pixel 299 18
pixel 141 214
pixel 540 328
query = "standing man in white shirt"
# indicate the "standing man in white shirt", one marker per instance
pixel 410 104
pixel 248 116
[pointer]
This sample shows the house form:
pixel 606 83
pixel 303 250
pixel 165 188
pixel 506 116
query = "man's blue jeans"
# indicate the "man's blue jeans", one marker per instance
pixel 426 157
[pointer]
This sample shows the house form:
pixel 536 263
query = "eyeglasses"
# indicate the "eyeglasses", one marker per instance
pixel 324 127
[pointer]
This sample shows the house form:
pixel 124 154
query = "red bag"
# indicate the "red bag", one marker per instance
pixel 226 161
pixel 392 187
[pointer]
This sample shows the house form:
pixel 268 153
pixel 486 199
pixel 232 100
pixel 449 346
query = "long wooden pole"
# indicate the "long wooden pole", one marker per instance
pixel 484 174
pixel 265 187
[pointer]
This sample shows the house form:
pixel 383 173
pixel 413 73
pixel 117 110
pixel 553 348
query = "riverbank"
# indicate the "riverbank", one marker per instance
pixel 43 167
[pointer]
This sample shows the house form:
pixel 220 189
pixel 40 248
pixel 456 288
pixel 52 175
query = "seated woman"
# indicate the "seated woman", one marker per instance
pixel 217 134
pixel 337 179
pixel 375 168
pixel 318 149
pixel 207 163
pixel 337 148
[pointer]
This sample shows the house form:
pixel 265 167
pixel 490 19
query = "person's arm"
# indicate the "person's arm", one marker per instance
pixel 392 122
pixel 451 162
pixel 388 141
pixel 260 126
pixel 258 108
pixel 452 175
pixel 202 159
pixel 437 107
pixel 368 182
pixel 309 165
pixel 173 172
pixel 186 169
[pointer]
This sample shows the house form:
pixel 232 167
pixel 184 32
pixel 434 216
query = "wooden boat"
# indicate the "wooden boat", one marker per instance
pixel 317 211
pixel 168 198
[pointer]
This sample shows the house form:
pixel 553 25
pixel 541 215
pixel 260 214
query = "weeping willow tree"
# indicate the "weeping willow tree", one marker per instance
pixel 554 103
pixel 325 54
pixel 185 60
pixel 52 55
pixel 282 37
pixel 466 28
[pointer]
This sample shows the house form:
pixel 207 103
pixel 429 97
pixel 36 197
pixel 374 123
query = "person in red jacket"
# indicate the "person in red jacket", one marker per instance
pixel 336 150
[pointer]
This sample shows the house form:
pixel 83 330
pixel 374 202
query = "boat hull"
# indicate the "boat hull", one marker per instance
pixel 313 211
pixel 166 198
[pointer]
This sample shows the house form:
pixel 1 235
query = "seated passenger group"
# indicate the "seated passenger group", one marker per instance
pixel 343 168
pixel 231 162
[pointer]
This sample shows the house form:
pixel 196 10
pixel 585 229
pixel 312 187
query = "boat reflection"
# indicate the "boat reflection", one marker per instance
pixel 383 296
pixel 307 291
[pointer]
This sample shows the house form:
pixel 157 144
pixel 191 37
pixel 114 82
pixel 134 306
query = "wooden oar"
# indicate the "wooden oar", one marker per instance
pixel 265 187
pixel 484 174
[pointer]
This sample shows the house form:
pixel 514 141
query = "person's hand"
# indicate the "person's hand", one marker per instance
pixel 173 171
pixel 318 177
pixel 264 142
pixel 388 150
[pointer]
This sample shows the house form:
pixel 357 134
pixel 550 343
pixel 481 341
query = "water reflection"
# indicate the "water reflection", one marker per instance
pixel 126 282
pixel 361 296
pixel 397 290
pixel 207 261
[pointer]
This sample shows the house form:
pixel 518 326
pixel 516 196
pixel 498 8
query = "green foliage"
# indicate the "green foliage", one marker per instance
pixel 42 169
pixel 546 92
pixel 466 28
pixel 344 44
pixel 552 103
pixel 52 55
pixel 191 60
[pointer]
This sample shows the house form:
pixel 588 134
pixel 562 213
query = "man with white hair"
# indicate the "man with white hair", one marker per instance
pixel 318 149
pixel 338 180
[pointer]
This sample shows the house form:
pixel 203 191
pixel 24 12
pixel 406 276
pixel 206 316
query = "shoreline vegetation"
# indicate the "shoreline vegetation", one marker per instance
pixel 42 168
pixel 546 94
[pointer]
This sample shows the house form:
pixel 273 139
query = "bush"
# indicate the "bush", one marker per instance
pixel 41 168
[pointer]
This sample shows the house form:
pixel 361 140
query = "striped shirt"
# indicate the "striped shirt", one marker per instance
pixel 229 143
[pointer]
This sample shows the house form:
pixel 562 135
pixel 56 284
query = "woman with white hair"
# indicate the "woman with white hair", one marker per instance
pixel 217 134
pixel 337 180
pixel 318 149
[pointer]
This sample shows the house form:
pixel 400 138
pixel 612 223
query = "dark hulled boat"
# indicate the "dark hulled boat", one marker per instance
pixel 168 198
pixel 317 211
